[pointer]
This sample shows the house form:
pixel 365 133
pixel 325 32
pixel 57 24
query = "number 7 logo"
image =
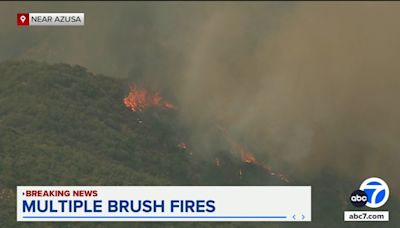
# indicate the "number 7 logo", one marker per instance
pixel 377 191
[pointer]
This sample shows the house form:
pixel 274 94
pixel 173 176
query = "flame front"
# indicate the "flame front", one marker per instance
pixel 182 145
pixel 139 99
pixel 248 157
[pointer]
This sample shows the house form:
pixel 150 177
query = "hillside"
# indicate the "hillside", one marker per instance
pixel 62 125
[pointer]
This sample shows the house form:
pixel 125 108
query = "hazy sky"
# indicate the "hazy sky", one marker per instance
pixel 118 37
pixel 313 85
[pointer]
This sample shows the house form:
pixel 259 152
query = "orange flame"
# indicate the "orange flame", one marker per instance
pixel 248 157
pixel 182 145
pixel 139 99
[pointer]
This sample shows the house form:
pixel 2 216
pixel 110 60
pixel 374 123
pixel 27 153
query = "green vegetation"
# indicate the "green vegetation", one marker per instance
pixel 61 125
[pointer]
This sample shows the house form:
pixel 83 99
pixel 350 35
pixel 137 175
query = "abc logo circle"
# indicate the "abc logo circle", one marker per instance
pixel 377 192
pixel 358 198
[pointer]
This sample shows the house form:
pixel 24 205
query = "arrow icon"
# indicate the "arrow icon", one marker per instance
pixel 294 217
pixel 303 217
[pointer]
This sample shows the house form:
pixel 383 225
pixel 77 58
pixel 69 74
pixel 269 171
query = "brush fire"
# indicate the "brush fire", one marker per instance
pixel 182 145
pixel 248 157
pixel 139 99
pixel 245 155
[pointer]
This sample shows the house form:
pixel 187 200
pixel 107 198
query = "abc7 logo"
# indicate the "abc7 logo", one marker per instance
pixel 358 198
pixel 373 192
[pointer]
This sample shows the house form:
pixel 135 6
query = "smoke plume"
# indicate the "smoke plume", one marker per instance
pixel 308 85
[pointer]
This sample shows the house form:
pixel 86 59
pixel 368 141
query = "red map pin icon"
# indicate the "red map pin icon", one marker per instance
pixel 23 19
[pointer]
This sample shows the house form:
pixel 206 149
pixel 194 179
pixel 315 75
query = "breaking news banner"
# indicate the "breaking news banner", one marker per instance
pixel 164 203
pixel 50 19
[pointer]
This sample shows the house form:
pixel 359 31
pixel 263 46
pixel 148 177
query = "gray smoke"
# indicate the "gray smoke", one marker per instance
pixel 320 90
pixel 307 85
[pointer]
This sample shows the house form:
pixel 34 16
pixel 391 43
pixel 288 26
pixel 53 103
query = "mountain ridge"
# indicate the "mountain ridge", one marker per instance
pixel 62 125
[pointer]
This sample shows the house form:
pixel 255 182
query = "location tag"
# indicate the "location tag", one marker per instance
pixel 23 19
